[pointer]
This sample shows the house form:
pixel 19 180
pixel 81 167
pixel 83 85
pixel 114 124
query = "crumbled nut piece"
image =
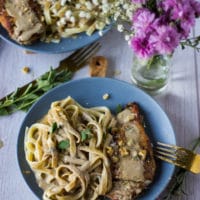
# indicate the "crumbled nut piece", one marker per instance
pixel 1 143
pixel 109 151
pixel 147 182
pixel 106 96
pixel 129 142
pixel 98 66
pixel 25 70
pixel 26 171
pixel 29 52
pixel 117 72
pixel 142 154
pixel 138 190
pixel 123 151
pixel 134 153
pixel 114 159
pixel 120 142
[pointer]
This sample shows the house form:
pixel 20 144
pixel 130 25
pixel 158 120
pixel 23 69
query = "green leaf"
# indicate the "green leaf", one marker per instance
pixel 28 89
pixel 3 112
pixel 23 100
pixel 54 127
pixel 119 108
pixel 85 134
pixel 64 144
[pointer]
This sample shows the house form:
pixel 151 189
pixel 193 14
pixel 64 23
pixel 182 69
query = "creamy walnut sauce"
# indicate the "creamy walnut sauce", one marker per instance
pixel 130 158
pixel 27 24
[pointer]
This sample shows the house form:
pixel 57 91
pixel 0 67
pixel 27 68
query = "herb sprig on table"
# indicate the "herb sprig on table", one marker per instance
pixel 23 99
pixel 177 184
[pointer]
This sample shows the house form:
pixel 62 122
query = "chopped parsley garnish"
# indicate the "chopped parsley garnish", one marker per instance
pixel 85 134
pixel 119 108
pixel 64 144
pixel 54 127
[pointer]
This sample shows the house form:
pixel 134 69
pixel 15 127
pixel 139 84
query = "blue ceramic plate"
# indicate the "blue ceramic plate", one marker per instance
pixel 65 45
pixel 88 92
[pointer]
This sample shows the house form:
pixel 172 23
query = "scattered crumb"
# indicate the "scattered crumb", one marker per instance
pixel 26 171
pixel 25 70
pixel 98 66
pixel 1 143
pixel 106 96
pixel 29 52
pixel 117 72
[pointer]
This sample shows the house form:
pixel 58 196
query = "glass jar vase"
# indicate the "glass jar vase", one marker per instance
pixel 151 75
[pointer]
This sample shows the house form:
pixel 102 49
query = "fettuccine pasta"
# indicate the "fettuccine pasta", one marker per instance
pixel 67 151
pixel 66 18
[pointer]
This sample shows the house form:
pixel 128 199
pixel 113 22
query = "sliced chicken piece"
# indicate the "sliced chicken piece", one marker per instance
pixel 133 161
pixel 22 20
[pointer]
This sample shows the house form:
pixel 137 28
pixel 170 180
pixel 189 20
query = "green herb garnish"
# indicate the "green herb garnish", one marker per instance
pixel 64 144
pixel 119 108
pixel 23 98
pixel 85 134
pixel 54 127
pixel 177 184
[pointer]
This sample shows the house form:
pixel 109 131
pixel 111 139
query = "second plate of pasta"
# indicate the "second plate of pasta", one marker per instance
pixel 62 26
pixel 65 45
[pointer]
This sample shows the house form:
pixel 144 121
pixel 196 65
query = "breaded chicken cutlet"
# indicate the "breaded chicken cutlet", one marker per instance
pixel 22 20
pixel 133 164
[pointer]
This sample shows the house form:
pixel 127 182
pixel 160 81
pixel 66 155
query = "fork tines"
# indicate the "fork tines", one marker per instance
pixel 81 56
pixel 86 52
pixel 173 154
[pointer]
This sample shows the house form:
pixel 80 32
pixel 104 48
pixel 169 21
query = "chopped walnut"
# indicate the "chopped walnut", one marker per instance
pixel 123 151
pixel 25 70
pixel 109 151
pixel 114 159
pixel 142 154
pixel 106 96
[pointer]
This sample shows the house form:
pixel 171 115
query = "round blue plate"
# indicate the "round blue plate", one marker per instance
pixel 65 45
pixel 88 92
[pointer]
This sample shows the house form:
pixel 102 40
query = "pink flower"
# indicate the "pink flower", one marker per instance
pixel 159 30
pixel 167 5
pixel 142 47
pixel 142 19
pixel 182 12
pixel 166 39
pixel 196 6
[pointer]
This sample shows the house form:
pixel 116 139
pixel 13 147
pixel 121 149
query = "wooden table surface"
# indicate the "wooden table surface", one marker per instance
pixel 181 102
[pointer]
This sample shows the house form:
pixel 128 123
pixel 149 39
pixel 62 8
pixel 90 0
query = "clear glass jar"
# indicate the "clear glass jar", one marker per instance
pixel 151 75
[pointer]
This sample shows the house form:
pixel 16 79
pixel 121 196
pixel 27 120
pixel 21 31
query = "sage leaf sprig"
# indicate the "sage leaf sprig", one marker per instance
pixel 23 99
pixel 177 185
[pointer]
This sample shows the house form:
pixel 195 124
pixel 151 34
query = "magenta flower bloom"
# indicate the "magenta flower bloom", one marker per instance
pixel 183 13
pixel 142 47
pixel 161 32
pixel 166 39
pixel 142 19
pixel 167 5
pixel 196 6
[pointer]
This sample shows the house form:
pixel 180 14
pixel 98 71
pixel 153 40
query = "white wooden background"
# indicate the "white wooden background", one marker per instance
pixel 181 102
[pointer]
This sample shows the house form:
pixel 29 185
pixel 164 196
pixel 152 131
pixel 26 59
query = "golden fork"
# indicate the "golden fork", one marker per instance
pixel 79 58
pixel 178 156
